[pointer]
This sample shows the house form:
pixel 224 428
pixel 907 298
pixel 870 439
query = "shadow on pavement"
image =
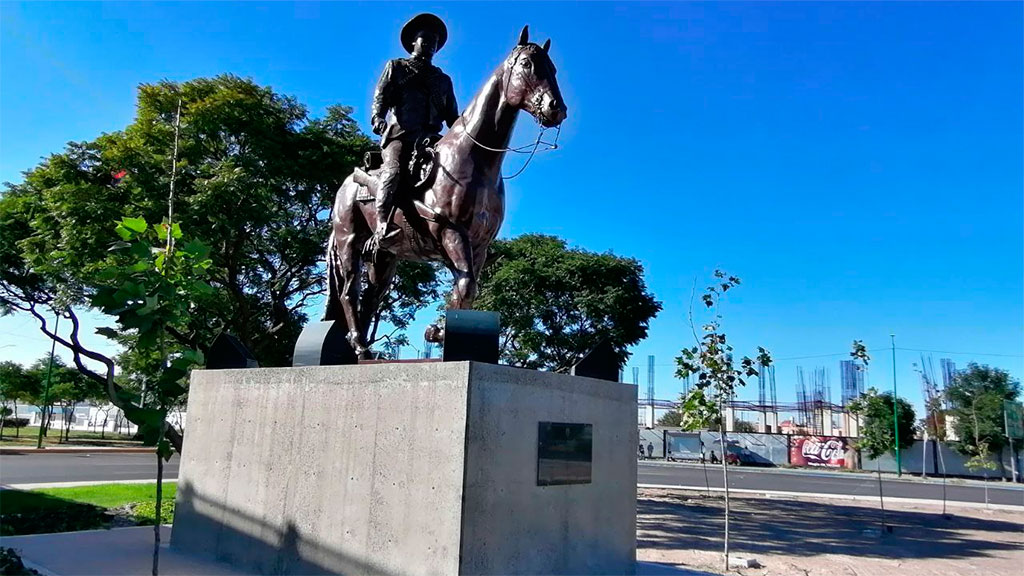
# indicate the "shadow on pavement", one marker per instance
pixel 805 528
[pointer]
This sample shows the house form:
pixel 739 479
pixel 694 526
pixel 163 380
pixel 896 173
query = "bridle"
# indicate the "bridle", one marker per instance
pixel 530 149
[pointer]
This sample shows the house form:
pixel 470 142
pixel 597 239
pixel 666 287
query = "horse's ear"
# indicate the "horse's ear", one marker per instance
pixel 547 44
pixel 524 36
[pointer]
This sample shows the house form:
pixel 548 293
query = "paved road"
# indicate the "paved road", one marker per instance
pixel 813 483
pixel 98 467
pixel 90 467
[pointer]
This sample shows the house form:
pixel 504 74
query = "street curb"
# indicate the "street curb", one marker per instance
pixel 84 450
pixel 854 497
pixel 33 566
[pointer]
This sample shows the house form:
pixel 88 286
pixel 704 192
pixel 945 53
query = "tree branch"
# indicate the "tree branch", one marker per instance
pixel 78 351
pixel 189 341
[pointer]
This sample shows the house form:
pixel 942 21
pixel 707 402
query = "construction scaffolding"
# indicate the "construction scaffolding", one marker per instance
pixel 851 374
pixel 934 414
pixel 948 369
pixel 804 416
pixel 650 380
pixel 813 412
pixel 815 406
pixel 766 398
pixel 687 386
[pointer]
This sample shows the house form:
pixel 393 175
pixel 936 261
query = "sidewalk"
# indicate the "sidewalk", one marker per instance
pixel 855 474
pixel 129 551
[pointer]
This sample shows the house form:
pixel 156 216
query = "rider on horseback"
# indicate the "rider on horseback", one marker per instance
pixel 420 97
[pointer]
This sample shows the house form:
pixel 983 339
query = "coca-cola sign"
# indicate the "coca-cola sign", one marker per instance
pixel 824 451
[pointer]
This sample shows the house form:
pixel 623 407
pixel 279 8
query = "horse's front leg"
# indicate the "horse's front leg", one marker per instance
pixel 460 258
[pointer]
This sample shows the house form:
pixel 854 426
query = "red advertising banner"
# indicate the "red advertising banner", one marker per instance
pixel 822 451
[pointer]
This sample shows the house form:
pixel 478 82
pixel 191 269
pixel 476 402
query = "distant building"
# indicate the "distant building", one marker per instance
pixel 84 417
pixel 790 427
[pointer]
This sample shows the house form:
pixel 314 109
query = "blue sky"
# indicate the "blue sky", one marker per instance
pixel 859 166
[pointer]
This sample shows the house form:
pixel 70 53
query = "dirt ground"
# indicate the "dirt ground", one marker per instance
pixel 816 537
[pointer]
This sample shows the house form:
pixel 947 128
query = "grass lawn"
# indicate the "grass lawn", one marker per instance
pixel 29 435
pixel 80 508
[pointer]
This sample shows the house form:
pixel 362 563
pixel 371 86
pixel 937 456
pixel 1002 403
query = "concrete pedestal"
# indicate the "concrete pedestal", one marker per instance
pixel 403 469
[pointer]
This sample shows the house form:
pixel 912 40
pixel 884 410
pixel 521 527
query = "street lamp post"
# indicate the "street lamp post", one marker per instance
pixel 895 408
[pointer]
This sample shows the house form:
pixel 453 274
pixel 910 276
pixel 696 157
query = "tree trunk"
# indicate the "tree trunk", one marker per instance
pixel 159 503
pixel 924 456
pixel 881 500
pixel 17 429
pixel 942 467
pixel 986 489
pixel 68 417
pixel 725 480
pixel 707 483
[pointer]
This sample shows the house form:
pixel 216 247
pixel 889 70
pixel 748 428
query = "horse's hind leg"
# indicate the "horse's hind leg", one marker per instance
pixel 379 275
pixel 344 260
pixel 347 268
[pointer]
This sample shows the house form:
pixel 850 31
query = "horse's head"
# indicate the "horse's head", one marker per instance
pixel 529 77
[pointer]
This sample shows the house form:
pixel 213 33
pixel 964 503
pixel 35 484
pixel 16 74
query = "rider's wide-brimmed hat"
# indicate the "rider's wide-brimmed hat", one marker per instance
pixel 420 23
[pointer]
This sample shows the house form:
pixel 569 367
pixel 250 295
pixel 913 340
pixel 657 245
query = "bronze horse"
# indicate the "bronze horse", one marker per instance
pixel 462 207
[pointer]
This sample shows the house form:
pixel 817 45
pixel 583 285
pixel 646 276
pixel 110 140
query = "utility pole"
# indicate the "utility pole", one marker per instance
pixel 895 408
pixel 46 386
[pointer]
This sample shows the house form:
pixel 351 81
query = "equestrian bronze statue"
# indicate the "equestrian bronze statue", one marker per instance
pixel 449 201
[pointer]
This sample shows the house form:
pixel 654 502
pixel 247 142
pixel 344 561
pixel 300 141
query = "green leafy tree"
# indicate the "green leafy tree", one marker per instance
pixel 37 392
pixel 718 377
pixel 255 181
pixel 557 303
pixel 976 398
pixel 696 414
pixel 671 419
pixel 152 283
pixel 68 387
pixel 15 383
pixel 876 431
pixel 743 426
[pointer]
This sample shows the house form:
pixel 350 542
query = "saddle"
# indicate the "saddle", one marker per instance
pixel 420 171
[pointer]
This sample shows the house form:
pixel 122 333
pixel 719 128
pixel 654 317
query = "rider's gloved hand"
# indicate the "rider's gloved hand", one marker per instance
pixel 378 126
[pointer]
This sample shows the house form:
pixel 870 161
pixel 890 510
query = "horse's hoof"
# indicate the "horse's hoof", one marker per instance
pixel 355 340
pixel 434 334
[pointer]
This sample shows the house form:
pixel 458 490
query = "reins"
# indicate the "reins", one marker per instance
pixel 523 149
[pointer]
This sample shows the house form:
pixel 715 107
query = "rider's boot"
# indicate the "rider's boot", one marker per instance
pixel 388 182
pixel 384 213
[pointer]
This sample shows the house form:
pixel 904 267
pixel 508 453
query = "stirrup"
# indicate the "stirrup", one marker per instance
pixel 371 247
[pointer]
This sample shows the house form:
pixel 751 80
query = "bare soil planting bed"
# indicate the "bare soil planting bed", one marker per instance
pixel 818 537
